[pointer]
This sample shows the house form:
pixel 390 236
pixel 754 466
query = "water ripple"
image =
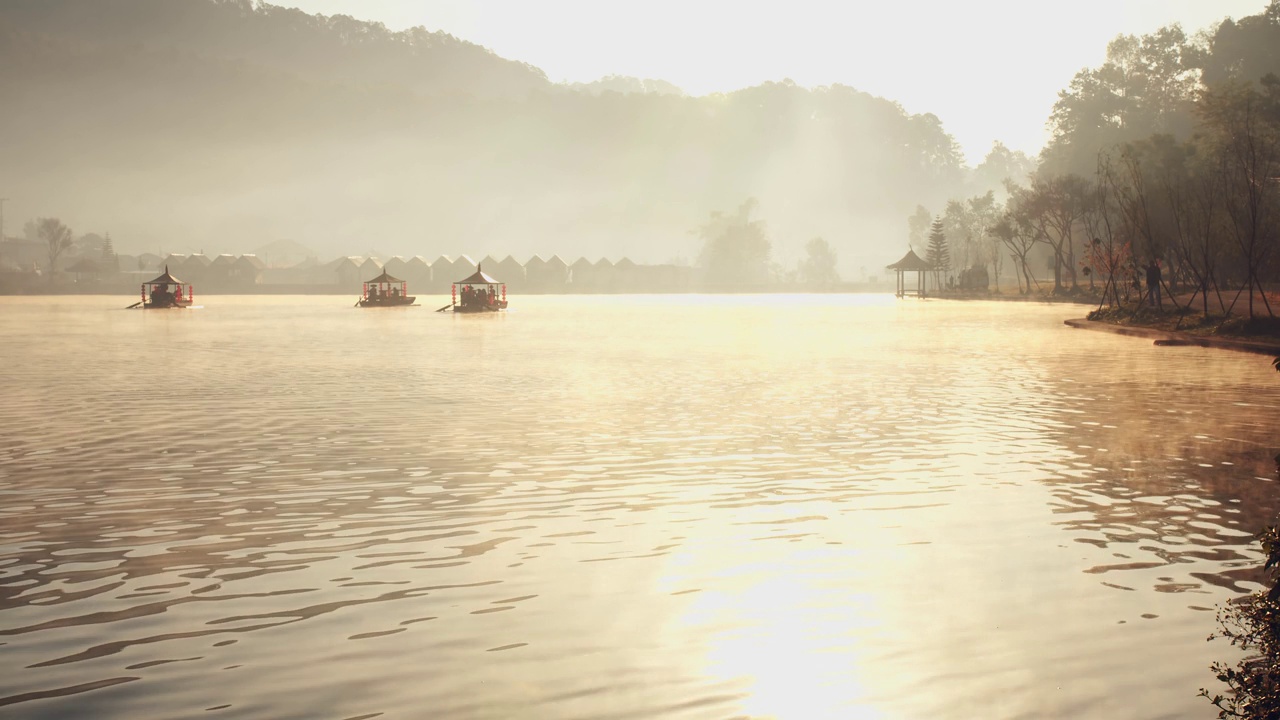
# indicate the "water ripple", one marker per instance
pixel 698 507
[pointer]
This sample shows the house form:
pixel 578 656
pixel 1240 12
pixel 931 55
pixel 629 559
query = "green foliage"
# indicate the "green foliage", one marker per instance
pixel 1252 624
pixel 1147 84
pixel 1000 166
pixel 819 264
pixel 918 227
pixel 939 253
pixel 735 248
pixel 1244 50
pixel 967 226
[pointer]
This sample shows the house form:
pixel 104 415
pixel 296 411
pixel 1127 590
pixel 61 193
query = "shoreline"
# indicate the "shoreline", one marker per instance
pixel 1175 338
pixel 1263 344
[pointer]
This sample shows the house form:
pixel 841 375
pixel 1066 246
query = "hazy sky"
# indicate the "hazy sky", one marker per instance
pixel 990 69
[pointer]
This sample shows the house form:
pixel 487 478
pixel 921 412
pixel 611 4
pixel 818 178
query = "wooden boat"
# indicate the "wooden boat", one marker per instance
pixel 478 293
pixel 385 291
pixel 166 292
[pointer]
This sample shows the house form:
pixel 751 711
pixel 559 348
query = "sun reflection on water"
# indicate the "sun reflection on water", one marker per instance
pixel 776 620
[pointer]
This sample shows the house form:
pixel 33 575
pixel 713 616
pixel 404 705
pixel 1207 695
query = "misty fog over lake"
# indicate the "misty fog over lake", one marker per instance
pixel 569 359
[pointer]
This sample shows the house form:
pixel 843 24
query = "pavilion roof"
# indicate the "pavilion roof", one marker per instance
pixel 479 277
pixel 252 261
pixel 910 261
pixel 166 278
pixel 384 278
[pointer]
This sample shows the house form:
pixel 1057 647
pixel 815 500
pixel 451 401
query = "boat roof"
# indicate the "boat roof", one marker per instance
pixel 479 277
pixel 385 277
pixel 166 278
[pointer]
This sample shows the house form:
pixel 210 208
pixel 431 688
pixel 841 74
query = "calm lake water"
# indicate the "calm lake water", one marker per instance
pixel 618 507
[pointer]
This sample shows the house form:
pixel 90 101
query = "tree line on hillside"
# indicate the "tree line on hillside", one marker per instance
pixel 237 123
pixel 1168 153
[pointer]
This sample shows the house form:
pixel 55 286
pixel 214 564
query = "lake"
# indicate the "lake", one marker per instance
pixel 811 506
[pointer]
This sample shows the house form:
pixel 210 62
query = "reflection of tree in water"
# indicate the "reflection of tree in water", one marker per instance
pixel 1177 486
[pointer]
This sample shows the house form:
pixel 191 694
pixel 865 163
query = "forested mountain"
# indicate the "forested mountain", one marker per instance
pixel 181 125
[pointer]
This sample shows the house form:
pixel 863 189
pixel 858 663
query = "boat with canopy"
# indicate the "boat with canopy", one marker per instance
pixel 385 291
pixel 478 292
pixel 166 292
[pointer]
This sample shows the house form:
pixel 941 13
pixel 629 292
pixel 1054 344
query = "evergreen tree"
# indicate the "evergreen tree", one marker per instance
pixel 109 257
pixel 939 255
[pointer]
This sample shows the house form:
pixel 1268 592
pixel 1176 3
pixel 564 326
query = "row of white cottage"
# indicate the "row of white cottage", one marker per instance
pixel 347 273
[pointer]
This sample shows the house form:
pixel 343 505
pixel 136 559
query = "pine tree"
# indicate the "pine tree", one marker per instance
pixel 109 257
pixel 939 256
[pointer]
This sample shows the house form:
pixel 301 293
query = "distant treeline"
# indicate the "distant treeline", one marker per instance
pixel 204 123
pixel 1168 153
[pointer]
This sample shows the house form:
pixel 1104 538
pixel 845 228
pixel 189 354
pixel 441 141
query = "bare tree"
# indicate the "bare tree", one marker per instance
pixel 58 238
pixel 1018 233
pixel 1109 254
pixel 1188 183
pixel 1056 206
pixel 1246 135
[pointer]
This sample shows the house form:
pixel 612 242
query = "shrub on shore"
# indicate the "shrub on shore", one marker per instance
pixel 1252 623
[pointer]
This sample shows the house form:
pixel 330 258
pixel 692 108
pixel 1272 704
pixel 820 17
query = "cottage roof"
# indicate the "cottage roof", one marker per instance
pixel 910 261
pixel 346 260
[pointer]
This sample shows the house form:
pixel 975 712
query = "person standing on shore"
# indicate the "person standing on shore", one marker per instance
pixel 1153 284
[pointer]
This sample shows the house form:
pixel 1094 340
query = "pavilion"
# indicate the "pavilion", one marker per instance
pixel 911 262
